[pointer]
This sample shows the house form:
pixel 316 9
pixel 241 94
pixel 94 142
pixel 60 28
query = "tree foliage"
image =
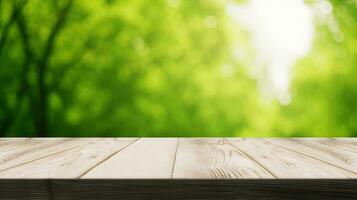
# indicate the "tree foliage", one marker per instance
pixel 160 68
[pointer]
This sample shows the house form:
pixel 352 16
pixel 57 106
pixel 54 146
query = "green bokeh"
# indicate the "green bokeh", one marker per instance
pixel 154 68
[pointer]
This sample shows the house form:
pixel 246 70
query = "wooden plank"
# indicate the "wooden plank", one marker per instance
pixel 216 189
pixel 11 141
pixel 33 151
pixel 31 189
pixel 214 158
pixel 16 144
pixel 71 163
pixel 347 144
pixel 155 168
pixel 179 189
pixel 146 158
pixel 316 149
pixel 285 163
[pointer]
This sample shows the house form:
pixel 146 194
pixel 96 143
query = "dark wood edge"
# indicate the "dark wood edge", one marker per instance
pixel 178 189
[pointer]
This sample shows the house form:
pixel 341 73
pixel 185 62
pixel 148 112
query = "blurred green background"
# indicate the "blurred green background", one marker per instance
pixel 177 68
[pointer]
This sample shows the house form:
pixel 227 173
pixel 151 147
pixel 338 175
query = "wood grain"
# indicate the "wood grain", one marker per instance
pixel 347 144
pixel 216 189
pixel 191 158
pixel 172 168
pixel 16 144
pixel 146 158
pixel 316 149
pixel 214 158
pixel 32 151
pixel 287 163
pixel 23 189
pixel 71 163
pixel 178 189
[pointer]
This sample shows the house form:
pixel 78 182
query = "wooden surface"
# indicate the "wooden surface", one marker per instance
pixel 260 166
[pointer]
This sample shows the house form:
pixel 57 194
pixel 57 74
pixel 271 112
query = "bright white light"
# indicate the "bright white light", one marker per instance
pixel 323 11
pixel 282 32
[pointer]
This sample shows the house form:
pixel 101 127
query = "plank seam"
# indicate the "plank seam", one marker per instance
pixel 107 158
pixel 251 158
pixel 174 163
pixel 315 158
pixel 74 147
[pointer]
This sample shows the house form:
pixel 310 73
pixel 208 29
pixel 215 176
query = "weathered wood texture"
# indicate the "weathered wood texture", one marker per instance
pixel 178 168
pixel 146 158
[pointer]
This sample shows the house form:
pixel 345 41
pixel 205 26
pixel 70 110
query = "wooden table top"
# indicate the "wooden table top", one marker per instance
pixel 178 158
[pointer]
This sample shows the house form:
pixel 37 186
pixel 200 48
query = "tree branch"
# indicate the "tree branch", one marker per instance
pixel 42 119
pixel 17 9
pixel 23 86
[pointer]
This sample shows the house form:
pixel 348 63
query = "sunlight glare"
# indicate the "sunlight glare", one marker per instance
pixel 282 32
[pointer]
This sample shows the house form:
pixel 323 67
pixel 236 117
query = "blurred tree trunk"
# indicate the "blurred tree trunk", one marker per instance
pixel 16 17
pixel 38 100
pixel 16 10
pixel 42 112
